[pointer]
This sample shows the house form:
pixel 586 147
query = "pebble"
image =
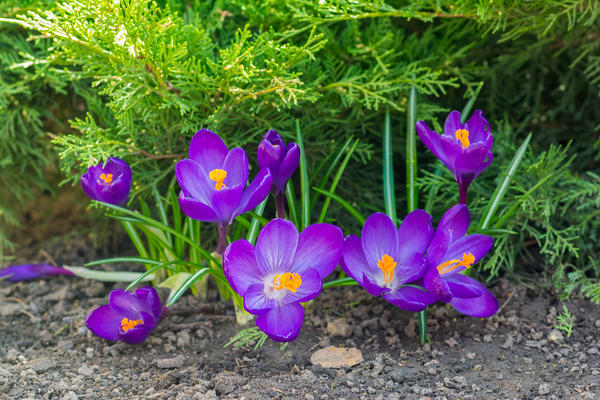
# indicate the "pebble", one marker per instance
pixel 533 343
pixel 593 350
pixel 43 365
pixel 597 323
pixel 339 327
pixel 451 342
pixel 85 370
pixel 471 356
pixel 508 343
pixel 487 338
pixel 555 336
pixel 175 362
pixel 70 396
pixel 336 357
pixel 10 309
pixel 183 338
pixel 544 389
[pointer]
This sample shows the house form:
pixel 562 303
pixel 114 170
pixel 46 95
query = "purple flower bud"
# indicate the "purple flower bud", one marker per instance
pixel 464 148
pixel 26 272
pixel 281 160
pixel 128 317
pixel 109 183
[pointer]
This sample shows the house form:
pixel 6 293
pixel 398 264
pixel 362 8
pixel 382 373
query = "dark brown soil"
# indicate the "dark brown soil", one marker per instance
pixel 46 352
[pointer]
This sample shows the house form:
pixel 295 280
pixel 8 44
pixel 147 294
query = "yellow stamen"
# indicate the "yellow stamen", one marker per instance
pixel 387 265
pixel 467 260
pixel 463 136
pixel 107 178
pixel 127 324
pixel 287 281
pixel 218 175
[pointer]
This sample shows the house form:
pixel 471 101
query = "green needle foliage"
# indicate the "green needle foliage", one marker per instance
pixel 151 73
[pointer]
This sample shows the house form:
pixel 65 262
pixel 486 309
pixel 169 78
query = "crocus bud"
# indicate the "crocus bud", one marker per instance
pixel 26 272
pixel 109 182
pixel 281 160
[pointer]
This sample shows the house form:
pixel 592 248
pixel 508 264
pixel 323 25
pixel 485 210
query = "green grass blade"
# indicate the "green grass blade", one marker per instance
pixel 135 238
pixel 466 111
pixel 291 202
pixel 332 165
pixel 340 282
pixel 503 187
pixel 411 152
pixel 389 196
pixel 161 211
pixel 255 224
pixel 304 184
pixel 189 282
pixel 353 211
pixel 140 260
pixel 105 276
pixel 422 316
pixel 146 274
pixel 336 180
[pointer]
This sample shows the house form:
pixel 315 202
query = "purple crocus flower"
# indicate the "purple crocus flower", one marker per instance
pixel 26 272
pixel 128 317
pixel 109 182
pixel 385 259
pixel 452 251
pixel 464 148
pixel 213 179
pixel 281 160
pixel 284 270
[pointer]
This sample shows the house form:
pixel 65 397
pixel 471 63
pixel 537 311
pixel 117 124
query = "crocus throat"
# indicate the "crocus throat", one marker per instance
pixel 107 178
pixel 127 324
pixel 287 281
pixel 218 175
pixel 467 260
pixel 387 265
pixel 462 135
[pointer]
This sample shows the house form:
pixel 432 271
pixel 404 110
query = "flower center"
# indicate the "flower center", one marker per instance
pixel 107 178
pixel 218 175
pixel 467 260
pixel 387 265
pixel 287 281
pixel 462 135
pixel 127 324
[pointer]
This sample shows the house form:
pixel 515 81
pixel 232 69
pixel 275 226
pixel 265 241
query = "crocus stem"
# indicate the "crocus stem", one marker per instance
pixel 280 203
pixel 222 240
pixel 462 189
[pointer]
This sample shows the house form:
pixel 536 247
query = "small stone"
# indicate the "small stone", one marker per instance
pixel 4 372
pixel 183 338
pixel 533 343
pixel 175 362
pixel 85 370
pixel 70 396
pixel 527 361
pixel 10 309
pixel 336 357
pixel 508 343
pixel 544 389
pixel 471 356
pixel 461 381
pixel 82 331
pixel 451 342
pixel 487 338
pixel 597 323
pixel 43 365
pixel 555 336
pixel 339 327
pixel 593 350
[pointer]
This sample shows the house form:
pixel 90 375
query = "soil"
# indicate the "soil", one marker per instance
pixel 46 351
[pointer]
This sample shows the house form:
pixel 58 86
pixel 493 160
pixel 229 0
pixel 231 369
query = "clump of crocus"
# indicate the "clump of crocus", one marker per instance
pixel 284 270
pixel 26 272
pixel 385 259
pixel 128 317
pixel 452 251
pixel 464 148
pixel 213 181
pixel 109 182
pixel 281 160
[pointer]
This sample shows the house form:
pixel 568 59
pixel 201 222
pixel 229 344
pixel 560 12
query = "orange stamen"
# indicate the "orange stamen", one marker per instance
pixel 107 178
pixel 127 324
pixel 287 281
pixel 467 260
pixel 463 136
pixel 387 265
pixel 218 175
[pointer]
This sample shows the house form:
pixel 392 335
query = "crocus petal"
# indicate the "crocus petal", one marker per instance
pixel 225 203
pixel 151 301
pixel 371 286
pixel 255 301
pixel 410 298
pixel 308 290
pixel 319 247
pixel 104 322
pixel 410 269
pixel 414 234
pixel 282 323
pixel 452 124
pixel 239 266
pixel 431 140
pixel 478 127
pixel 462 286
pixel 126 304
pixel 456 220
pixel 236 166
pixel 271 151
pixel 257 191
pixel 194 180
pixel 276 246
pixel 208 149
pixel 25 272
pixel 195 209
pixel 483 306
pixel 473 160
pixel 379 237
pixel 88 184
pixel 140 332
pixel 288 166
pixel 476 244
pixel 437 285
pixel 438 247
pixel 353 259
